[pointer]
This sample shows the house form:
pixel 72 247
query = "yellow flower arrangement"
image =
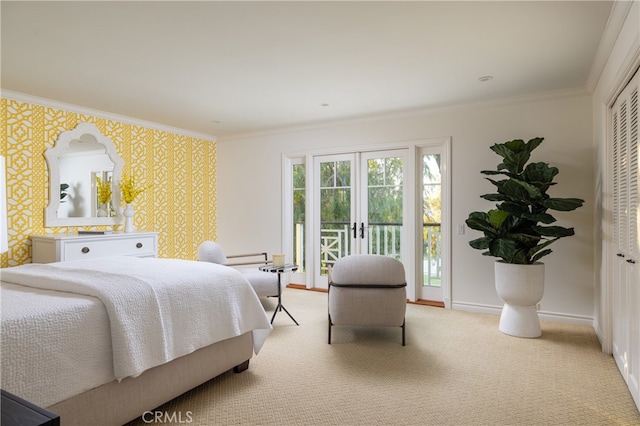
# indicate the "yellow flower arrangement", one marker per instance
pixel 104 190
pixel 129 189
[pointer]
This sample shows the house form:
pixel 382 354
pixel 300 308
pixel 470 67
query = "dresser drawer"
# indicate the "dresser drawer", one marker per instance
pixel 61 247
pixel 141 246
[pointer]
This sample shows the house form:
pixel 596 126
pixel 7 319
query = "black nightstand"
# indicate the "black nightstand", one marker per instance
pixel 18 412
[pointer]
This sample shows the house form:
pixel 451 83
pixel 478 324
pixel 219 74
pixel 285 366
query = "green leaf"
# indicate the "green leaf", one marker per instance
pixel 562 204
pixel 532 190
pixel 545 218
pixel 507 250
pixel 503 248
pixel 497 217
pixel 554 231
pixel 516 145
pixel 535 252
pixel 540 173
pixel 516 153
pixel 516 161
pixel 516 209
pixel 526 239
pixel 480 222
pixel 512 189
pixel 495 197
pixel 534 143
pixel 481 243
pixel 513 153
pixel 503 150
pixel 519 257
pixel 540 255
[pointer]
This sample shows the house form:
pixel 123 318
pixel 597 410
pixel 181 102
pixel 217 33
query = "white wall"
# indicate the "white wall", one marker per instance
pixel 249 186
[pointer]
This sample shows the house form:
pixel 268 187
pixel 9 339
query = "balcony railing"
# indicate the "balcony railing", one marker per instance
pixel 336 241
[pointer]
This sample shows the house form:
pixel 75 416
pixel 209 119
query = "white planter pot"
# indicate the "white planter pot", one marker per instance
pixel 520 287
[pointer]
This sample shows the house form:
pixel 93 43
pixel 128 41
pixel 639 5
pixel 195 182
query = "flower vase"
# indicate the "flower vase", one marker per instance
pixel 128 218
pixel 103 210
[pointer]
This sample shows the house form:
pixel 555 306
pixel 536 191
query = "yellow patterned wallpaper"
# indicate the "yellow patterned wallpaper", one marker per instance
pixel 180 206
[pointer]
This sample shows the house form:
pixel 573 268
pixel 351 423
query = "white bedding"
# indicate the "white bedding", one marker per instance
pixel 54 345
pixel 158 309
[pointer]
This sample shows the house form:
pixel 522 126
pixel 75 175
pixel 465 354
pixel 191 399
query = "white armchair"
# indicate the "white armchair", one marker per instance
pixel 264 284
pixel 367 290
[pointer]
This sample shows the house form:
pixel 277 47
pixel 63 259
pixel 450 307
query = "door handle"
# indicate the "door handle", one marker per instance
pixel 619 254
pixel 631 261
pixel 355 230
pixel 362 230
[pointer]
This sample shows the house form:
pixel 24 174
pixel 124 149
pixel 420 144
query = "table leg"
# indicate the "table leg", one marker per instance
pixel 280 307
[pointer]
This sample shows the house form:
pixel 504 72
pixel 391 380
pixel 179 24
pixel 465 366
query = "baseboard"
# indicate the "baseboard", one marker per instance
pixel 324 290
pixel 486 309
pixel 304 287
pixel 604 343
pixel 297 286
pixel 426 302
pixel 474 307
pixel 543 315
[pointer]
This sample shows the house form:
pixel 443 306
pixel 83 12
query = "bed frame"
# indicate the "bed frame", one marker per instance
pixel 117 403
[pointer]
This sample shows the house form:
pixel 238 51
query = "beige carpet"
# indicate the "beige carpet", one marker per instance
pixel 457 369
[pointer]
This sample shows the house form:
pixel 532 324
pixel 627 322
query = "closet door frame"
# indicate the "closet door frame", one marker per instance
pixel 605 316
pixel 619 264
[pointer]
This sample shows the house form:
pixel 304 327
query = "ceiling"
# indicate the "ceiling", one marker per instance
pixel 229 68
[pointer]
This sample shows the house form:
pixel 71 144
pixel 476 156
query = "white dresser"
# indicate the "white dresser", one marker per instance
pixel 62 247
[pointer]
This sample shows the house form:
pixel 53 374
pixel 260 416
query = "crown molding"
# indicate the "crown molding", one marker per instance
pixel 534 97
pixel 617 17
pixel 23 97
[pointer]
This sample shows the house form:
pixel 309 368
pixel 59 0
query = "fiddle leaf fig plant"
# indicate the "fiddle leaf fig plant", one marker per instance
pixel 514 230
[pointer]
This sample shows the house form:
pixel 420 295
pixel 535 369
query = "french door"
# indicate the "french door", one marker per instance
pixel 394 201
pixel 360 207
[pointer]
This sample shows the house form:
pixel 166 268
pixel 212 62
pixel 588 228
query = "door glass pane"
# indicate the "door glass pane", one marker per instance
pixel 384 206
pixel 335 212
pixel 327 173
pixel 431 220
pixel 299 202
pixel 375 171
pixel 343 173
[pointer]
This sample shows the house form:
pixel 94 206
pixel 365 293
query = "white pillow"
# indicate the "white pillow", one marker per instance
pixel 210 251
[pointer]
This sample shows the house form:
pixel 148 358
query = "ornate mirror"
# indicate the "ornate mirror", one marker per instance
pixel 84 172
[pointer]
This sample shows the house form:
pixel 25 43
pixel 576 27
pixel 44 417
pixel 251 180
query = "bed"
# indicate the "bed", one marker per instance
pixel 103 341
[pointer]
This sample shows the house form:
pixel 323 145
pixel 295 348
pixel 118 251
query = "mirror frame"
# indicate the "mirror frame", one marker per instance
pixel 52 154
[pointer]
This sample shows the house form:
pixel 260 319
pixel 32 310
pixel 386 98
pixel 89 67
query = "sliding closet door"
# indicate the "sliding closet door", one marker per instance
pixel 634 251
pixel 626 277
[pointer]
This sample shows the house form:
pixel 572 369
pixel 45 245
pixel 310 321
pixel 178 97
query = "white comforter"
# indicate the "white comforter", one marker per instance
pixel 158 309
pixel 55 345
